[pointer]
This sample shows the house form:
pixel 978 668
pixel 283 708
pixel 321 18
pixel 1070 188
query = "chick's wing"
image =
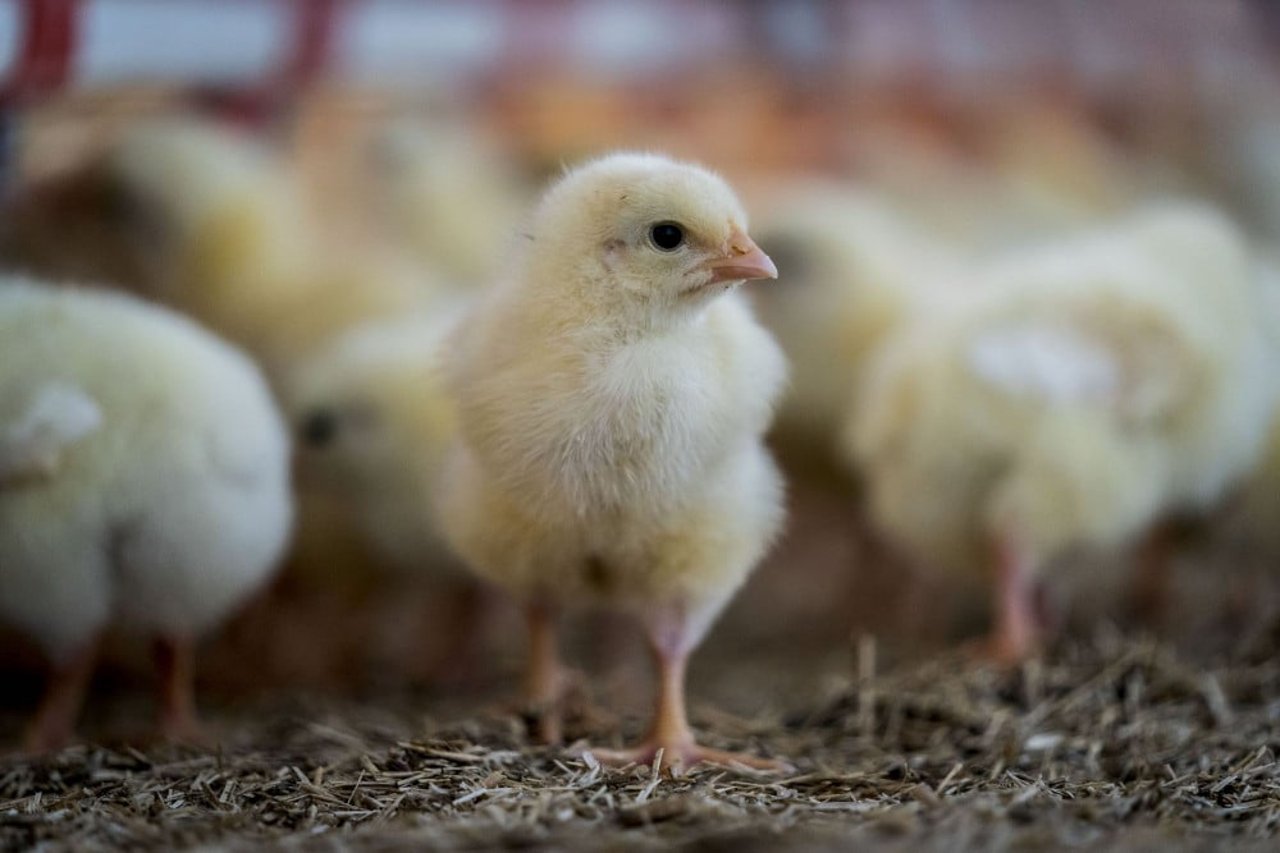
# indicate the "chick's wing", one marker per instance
pixel 56 417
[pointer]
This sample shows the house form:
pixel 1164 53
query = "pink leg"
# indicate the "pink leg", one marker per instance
pixel 55 719
pixel 1016 632
pixel 670 732
pixel 175 664
pixel 545 677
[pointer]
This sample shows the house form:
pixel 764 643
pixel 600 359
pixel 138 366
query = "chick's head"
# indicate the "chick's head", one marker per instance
pixel 370 411
pixel 644 234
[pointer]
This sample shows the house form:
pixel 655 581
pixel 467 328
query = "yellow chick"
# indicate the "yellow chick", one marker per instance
pixel 450 195
pixel 853 272
pixel 206 221
pixel 612 398
pixel 143 481
pixel 1085 387
pixel 374 422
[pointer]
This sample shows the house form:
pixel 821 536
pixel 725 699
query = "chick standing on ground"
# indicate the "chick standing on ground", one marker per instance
pixel 374 423
pixel 1085 389
pixel 143 481
pixel 612 398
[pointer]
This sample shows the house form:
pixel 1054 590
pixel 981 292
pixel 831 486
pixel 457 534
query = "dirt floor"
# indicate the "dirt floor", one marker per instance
pixel 1110 743
pixel 840 661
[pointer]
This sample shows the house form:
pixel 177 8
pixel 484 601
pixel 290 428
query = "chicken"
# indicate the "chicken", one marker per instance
pixel 853 271
pixel 450 195
pixel 1084 389
pixel 374 423
pixel 202 220
pixel 143 481
pixel 611 399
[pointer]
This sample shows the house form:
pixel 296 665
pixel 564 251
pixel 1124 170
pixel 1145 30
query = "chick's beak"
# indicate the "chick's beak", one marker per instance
pixel 743 260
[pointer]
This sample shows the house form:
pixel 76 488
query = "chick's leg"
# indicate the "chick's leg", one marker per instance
pixel 55 719
pixel 458 637
pixel 545 678
pixel 671 640
pixel 1151 582
pixel 1017 629
pixel 175 665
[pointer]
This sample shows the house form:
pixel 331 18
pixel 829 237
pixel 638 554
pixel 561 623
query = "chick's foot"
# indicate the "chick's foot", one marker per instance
pixel 175 665
pixel 681 754
pixel 55 720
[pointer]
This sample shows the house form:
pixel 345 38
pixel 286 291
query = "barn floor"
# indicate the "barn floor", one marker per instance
pixel 1110 743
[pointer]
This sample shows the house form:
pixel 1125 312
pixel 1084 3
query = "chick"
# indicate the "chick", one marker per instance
pixel 611 398
pixel 179 211
pixel 1084 389
pixel 450 195
pixel 374 422
pixel 143 481
pixel 206 221
pixel 854 271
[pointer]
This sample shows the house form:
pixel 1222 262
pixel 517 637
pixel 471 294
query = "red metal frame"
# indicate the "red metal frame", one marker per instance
pixel 50 31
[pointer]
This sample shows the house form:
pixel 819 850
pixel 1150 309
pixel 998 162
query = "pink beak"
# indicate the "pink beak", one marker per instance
pixel 743 261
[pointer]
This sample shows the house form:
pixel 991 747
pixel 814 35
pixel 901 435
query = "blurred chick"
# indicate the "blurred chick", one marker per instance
pixel 1084 389
pixel 853 272
pixel 374 422
pixel 612 397
pixel 204 220
pixel 143 481
pixel 451 196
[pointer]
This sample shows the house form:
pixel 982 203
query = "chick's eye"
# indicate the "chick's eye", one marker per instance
pixel 667 236
pixel 319 427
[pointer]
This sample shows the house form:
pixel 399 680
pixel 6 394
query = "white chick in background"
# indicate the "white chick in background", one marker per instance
pixel 612 398
pixel 1084 389
pixel 143 481
pixel 853 272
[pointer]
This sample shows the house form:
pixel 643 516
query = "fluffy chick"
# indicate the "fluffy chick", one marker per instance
pixel 374 422
pixel 1085 388
pixel 373 419
pixel 143 481
pixel 611 397
pixel 450 195
pixel 854 271
pixel 206 221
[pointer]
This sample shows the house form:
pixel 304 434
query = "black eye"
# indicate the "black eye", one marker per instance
pixel 667 236
pixel 319 427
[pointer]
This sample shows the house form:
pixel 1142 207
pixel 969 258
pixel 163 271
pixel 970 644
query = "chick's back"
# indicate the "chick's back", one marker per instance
pixel 171 511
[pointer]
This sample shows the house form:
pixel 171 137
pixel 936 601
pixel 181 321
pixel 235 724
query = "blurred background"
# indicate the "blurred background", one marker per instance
pixel 416 135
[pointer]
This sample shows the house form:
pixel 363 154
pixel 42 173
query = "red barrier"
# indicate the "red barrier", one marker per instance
pixel 43 63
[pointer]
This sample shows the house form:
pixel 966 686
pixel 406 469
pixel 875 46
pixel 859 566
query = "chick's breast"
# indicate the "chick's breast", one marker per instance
pixel 619 470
